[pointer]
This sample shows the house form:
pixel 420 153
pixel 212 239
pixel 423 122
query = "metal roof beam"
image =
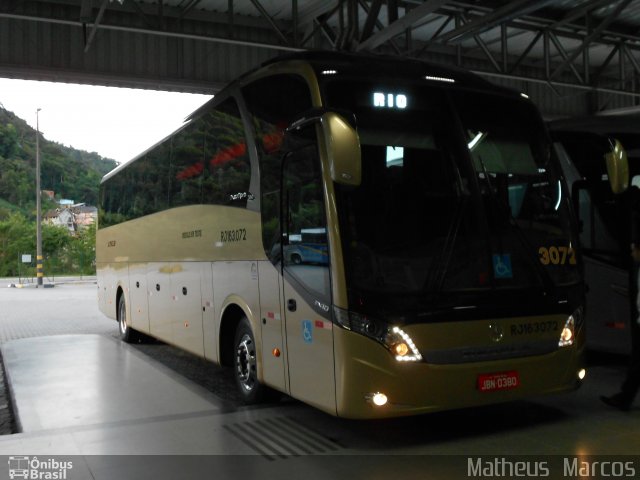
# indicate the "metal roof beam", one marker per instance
pixel 487 53
pixel 315 10
pixel 372 17
pixel 596 76
pixel 428 43
pixel 577 86
pixel 380 26
pixel 319 23
pixel 593 36
pixel 631 58
pixel 580 11
pixel 190 6
pixel 538 22
pixel 271 21
pixel 157 33
pixel 504 14
pixel 564 55
pixel 86 9
pixel 392 10
pixel 526 52
pixel 94 30
pixel 400 25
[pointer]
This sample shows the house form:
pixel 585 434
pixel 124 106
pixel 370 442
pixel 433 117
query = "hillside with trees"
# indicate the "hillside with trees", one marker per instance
pixel 70 173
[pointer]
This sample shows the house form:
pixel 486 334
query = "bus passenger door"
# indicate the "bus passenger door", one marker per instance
pixel 306 282
pixel 273 352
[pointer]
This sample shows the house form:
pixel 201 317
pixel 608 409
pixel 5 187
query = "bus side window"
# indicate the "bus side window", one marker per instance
pixel 305 252
pixel 227 170
pixel 274 102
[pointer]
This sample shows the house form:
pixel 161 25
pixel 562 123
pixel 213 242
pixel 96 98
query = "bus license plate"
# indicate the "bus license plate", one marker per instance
pixel 492 382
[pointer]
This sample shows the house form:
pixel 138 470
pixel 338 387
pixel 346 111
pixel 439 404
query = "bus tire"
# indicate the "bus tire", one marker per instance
pixel 127 334
pixel 296 258
pixel 245 364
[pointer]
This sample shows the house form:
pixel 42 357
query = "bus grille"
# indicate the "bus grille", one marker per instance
pixel 488 353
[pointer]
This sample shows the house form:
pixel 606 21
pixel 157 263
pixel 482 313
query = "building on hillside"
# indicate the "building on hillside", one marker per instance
pixel 74 218
pixel 85 215
pixel 49 194
pixel 62 217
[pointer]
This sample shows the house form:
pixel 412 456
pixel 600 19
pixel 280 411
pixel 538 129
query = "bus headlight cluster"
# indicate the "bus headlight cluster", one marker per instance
pixel 402 346
pixel 396 340
pixel 568 333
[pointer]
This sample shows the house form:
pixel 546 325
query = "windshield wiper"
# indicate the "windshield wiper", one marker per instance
pixel 541 273
pixel 440 267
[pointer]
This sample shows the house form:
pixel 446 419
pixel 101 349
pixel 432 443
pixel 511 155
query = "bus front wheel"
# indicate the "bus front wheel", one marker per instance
pixel 245 364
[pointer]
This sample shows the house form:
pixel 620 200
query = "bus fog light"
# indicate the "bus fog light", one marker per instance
pixel 378 399
pixel 582 373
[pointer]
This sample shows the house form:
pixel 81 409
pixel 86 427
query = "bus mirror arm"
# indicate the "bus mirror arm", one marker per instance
pixel 342 143
pixel 316 115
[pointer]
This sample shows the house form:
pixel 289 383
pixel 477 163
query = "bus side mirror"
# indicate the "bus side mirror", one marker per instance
pixel 618 168
pixel 343 149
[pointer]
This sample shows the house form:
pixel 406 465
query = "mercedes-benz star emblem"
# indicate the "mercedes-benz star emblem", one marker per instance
pixel 496 332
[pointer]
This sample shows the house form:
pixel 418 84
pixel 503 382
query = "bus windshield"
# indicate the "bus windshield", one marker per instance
pixel 458 197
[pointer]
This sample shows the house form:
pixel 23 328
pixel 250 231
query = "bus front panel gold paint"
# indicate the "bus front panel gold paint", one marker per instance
pixel 365 367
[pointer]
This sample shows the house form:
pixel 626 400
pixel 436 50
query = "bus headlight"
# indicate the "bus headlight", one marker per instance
pixel 393 338
pixel 402 346
pixel 568 333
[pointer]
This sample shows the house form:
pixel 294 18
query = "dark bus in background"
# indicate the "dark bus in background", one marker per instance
pixel 604 221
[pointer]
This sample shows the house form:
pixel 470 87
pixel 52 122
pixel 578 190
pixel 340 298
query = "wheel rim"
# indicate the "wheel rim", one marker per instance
pixel 246 362
pixel 123 318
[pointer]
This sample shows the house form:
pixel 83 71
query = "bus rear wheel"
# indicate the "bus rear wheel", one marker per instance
pixel 127 334
pixel 245 364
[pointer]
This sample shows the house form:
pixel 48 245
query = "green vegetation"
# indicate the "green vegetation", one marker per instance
pixel 63 253
pixel 70 173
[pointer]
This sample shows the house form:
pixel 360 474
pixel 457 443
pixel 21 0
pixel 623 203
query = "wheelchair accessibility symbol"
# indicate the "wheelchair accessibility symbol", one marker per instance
pixel 307 331
pixel 502 266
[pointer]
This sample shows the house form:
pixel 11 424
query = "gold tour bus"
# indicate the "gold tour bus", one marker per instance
pixel 442 269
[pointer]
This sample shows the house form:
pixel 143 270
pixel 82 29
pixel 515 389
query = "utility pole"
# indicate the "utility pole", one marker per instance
pixel 39 272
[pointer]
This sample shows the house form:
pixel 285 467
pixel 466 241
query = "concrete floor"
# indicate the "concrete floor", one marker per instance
pixel 116 413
